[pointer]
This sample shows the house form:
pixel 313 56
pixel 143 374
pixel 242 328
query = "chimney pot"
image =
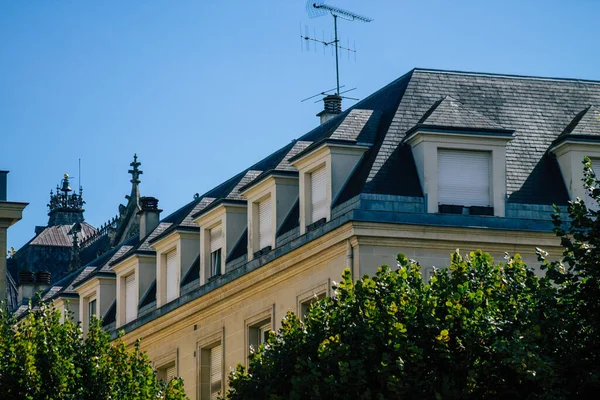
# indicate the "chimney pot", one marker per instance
pixel 149 215
pixel 43 277
pixel 26 276
pixel 332 104
pixel 149 203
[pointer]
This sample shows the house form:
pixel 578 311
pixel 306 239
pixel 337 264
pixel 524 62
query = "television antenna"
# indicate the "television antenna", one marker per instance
pixel 318 8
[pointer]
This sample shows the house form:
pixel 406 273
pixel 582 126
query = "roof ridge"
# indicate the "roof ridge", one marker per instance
pixel 506 76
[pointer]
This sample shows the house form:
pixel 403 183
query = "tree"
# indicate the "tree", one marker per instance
pixel 477 329
pixel 42 357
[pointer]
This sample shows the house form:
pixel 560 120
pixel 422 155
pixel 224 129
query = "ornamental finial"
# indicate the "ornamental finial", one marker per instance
pixel 135 171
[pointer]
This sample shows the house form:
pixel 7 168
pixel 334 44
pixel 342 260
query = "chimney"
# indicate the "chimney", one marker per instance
pixel 3 185
pixel 26 285
pixel 42 280
pixel 332 107
pixel 149 215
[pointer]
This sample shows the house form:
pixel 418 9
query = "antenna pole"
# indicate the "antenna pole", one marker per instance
pixel 337 67
pixel 79 174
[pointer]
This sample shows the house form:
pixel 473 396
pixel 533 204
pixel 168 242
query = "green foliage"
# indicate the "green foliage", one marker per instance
pixel 477 329
pixel 44 358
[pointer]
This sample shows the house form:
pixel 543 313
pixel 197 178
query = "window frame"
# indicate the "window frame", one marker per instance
pixel 203 368
pixel 469 207
pixel 255 326
pixel 308 296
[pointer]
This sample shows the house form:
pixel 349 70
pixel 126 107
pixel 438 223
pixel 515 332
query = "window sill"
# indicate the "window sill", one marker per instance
pixel 316 225
pixel 262 251
pixel 464 210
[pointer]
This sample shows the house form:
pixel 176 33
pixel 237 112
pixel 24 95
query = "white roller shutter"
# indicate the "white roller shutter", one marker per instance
pixel 216 238
pixel 216 370
pixel 170 373
pixel 265 222
pixel 130 302
pixel 172 279
pixel 318 195
pixel 464 177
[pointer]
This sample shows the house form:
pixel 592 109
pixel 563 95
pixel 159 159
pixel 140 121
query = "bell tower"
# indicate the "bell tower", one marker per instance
pixel 65 208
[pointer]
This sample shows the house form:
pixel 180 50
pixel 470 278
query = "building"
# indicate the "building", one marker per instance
pixel 10 213
pixel 66 243
pixel 432 162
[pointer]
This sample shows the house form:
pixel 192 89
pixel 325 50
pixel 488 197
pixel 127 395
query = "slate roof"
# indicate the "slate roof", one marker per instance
pixel 58 235
pixel 586 123
pixel 449 112
pixel 66 286
pixel 538 109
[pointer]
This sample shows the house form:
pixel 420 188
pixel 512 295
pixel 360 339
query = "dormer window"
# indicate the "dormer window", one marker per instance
pixel 130 298
pixel 265 223
pixel 172 277
pixel 91 310
pixel 216 245
pixel 318 195
pixel 460 156
pixel 590 203
pixel 221 227
pixel 324 169
pixel 464 182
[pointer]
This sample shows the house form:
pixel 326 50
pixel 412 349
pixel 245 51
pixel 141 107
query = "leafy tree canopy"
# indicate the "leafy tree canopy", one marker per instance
pixel 42 357
pixel 477 329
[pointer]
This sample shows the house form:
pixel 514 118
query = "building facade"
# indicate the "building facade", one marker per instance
pixel 10 213
pixel 432 162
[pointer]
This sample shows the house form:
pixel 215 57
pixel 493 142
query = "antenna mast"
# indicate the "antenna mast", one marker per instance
pixel 318 8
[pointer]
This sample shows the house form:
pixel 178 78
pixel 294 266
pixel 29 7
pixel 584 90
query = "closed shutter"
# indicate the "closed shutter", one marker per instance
pixel 265 221
pixel 171 275
pixel 464 177
pixel 216 238
pixel 318 194
pixel 130 303
pixel 216 370
pixel 170 373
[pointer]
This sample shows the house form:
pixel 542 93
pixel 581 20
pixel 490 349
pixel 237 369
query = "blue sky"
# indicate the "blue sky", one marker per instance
pixel 202 89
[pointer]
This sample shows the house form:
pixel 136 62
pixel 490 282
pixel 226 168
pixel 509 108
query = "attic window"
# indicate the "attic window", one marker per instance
pixel 171 276
pixel 130 300
pixel 216 244
pixel 265 223
pixel 318 195
pixel 464 182
pixel 590 203
pixel 91 309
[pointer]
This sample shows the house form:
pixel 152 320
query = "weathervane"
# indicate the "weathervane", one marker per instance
pixel 318 8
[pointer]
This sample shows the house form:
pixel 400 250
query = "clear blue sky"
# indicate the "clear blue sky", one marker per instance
pixel 203 89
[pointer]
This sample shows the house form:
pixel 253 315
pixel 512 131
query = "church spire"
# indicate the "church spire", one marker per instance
pixel 135 171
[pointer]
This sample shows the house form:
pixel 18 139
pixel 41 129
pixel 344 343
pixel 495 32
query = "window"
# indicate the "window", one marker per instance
pixel 130 299
pixel 307 304
pixel 216 243
pixel 167 372
pixel 91 309
pixel 211 372
pixel 265 223
pixel 258 334
pixel 464 181
pixel 590 203
pixel 318 195
pixel 172 280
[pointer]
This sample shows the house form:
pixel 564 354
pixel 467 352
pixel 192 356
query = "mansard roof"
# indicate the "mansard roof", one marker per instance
pixel 535 109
